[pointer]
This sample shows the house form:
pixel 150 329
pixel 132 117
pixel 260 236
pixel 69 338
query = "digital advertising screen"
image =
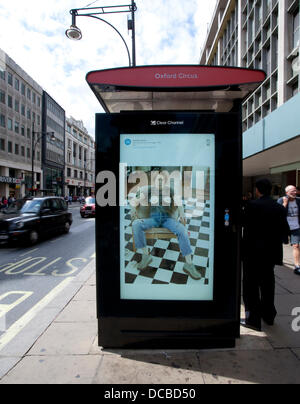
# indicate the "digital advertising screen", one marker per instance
pixel 167 212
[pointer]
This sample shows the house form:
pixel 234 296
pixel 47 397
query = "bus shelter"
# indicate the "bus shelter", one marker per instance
pixel 169 193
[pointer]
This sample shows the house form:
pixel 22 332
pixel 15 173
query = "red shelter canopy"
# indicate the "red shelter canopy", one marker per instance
pixel 182 87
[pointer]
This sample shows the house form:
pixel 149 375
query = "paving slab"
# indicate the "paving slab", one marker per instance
pixel 150 368
pixel 73 369
pixel 7 363
pixel 78 311
pixel 250 367
pixel 285 304
pixel 66 339
pixel 296 352
pixel 281 335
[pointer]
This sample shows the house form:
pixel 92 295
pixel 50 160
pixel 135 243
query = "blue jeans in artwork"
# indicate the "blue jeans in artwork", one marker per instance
pixel 156 220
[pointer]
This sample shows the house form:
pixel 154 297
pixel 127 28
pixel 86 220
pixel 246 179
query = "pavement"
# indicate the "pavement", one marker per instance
pixel 59 346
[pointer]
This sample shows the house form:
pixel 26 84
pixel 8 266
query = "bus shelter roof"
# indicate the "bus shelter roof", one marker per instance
pixel 173 87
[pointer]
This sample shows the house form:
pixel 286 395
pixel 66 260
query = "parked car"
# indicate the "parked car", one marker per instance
pixel 88 209
pixel 29 220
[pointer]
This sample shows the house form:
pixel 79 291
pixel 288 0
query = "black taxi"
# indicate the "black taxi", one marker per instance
pixel 29 220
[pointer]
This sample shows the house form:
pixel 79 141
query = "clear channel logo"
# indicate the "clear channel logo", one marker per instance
pixel 128 142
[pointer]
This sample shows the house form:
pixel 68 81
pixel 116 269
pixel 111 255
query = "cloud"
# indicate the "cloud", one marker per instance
pixel 33 34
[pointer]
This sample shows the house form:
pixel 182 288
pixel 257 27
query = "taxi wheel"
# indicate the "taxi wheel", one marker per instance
pixel 67 227
pixel 33 237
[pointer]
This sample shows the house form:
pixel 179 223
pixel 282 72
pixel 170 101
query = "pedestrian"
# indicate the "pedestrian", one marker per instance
pixel 265 229
pixel 5 202
pixel 291 204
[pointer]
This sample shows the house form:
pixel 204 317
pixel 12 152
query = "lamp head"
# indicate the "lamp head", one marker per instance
pixel 74 33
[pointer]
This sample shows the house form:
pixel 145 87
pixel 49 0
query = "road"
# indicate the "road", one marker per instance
pixel 30 277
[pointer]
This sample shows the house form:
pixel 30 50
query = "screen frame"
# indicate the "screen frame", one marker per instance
pixel 228 148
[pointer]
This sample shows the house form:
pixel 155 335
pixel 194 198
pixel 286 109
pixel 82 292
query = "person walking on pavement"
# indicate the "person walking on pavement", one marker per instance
pixel 265 229
pixel 291 203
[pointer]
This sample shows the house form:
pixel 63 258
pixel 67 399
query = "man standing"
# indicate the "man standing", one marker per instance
pixel 265 229
pixel 292 205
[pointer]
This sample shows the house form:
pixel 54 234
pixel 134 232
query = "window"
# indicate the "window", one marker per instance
pixel 28 93
pixel 2 74
pixel 9 101
pixel 69 172
pixel 9 78
pixel 17 84
pixel 22 151
pixel 17 149
pixel 17 106
pixel 2 120
pixel 9 147
pixel 23 130
pixel 2 144
pixel 9 124
pixel 22 88
pixel 23 109
pixel 2 96
pixel 28 152
pixel 17 127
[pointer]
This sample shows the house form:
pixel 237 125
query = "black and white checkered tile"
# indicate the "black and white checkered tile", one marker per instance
pixel 167 261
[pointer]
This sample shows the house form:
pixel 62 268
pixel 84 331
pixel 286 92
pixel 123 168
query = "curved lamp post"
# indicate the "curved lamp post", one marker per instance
pixel 75 33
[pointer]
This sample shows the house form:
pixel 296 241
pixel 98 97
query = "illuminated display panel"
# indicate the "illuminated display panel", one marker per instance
pixel 167 214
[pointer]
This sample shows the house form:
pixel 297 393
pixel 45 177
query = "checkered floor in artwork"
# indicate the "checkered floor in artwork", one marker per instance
pixel 167 262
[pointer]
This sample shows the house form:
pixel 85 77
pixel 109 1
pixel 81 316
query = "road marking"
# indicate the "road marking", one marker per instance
pixel 19 325
pixel 70 265
pixel 39 272
pixel 14 265
pixel 36 261
pixel 29 252
pixel 6 307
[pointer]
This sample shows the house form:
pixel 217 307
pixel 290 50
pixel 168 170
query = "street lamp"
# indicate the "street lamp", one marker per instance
pixel 75 33
pixel 33 146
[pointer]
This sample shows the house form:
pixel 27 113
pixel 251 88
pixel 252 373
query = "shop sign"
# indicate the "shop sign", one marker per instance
pixel 9 180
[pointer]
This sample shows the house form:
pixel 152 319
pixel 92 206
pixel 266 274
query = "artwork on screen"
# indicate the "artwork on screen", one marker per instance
pixel 167 218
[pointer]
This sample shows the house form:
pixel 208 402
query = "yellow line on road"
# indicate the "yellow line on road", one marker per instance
pixel 19 325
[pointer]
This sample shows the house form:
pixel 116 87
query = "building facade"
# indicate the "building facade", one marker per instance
pixel 20 115
pixel 263 34
pixel 53 150
pixel 80 160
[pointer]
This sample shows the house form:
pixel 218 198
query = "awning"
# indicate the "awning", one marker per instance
pixel 178 87
pixel 277 159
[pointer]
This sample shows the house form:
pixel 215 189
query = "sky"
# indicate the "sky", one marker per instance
pixel 32 33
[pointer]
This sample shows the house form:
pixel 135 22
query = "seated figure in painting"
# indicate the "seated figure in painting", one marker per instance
pixel 154 208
